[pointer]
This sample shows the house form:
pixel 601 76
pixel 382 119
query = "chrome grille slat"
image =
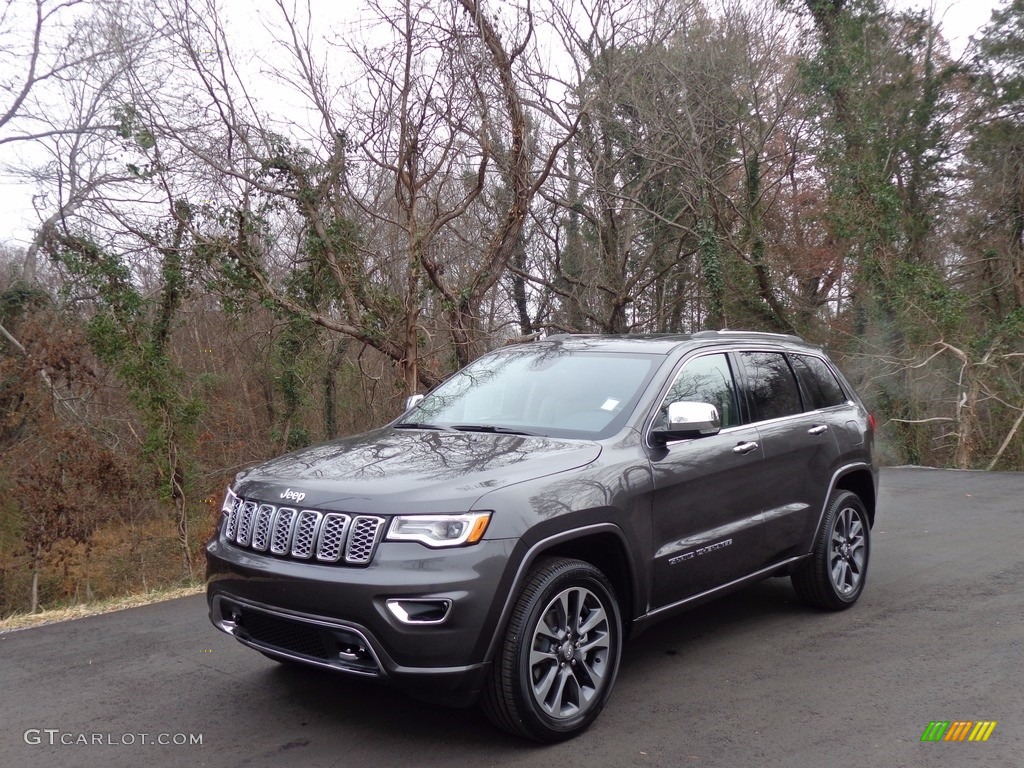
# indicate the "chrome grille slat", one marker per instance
pixel 323 537
pixel 332 537
pixel 244 535
pixel 232 524
pixel 281 541
pixel 362 539
pixel 305 534
pixel 261 527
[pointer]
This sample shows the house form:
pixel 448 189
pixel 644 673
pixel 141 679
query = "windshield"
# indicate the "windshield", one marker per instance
pixel 546 390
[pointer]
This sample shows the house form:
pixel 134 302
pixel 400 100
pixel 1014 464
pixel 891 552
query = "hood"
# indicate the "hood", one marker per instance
pixel 390 471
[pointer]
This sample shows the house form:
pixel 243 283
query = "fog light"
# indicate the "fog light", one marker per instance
pixel 420 611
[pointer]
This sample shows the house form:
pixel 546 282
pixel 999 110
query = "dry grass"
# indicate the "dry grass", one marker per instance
pixel 24 620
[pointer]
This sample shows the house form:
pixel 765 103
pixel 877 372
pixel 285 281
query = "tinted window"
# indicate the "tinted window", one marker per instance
pixel 771 388
pixel 706 379
pixel 818 382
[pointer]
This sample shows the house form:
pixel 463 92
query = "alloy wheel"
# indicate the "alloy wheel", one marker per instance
pixel 570 653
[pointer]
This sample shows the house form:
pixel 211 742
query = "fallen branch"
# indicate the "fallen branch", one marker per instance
pixel 920 421
pixel 1006 441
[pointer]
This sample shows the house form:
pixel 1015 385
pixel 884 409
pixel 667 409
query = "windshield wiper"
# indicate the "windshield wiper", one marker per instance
pixel 492 429
pixel 421 425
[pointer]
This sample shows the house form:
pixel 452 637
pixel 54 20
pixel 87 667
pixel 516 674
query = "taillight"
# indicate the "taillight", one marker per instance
pixel 872 422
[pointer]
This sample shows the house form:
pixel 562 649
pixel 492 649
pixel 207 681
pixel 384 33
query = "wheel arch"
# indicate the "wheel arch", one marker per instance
pixel 859 480
pixel 603 546
pixel 606 552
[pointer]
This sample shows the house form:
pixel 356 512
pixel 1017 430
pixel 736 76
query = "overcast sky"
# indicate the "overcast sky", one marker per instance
pixel 960 18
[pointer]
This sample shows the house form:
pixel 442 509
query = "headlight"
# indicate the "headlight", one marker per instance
pixel 226 524
pixel 440 530
pixel 229 502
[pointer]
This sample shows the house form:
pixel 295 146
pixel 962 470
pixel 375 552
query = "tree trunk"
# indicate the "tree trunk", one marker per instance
pixel 966 421
pixel 35 579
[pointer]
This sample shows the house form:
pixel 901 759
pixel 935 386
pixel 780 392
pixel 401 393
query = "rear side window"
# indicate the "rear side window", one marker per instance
pixel 818 382
pixel 771 388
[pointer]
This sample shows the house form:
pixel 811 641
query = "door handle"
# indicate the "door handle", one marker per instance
pixel 820 429
pixel 745 448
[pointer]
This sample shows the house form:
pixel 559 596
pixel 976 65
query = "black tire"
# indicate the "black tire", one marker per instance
pixel 558 659
pixel 834 576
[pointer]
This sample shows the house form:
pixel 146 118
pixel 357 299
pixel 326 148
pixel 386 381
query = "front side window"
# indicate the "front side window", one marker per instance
pixel 771 388
pixel 706 379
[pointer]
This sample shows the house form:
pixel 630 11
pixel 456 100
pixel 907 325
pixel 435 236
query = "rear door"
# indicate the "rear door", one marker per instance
pixel 827 407
pixel 799 446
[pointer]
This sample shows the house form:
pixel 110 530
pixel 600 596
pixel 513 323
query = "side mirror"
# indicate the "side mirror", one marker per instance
pixel 688 420
pixel 412 401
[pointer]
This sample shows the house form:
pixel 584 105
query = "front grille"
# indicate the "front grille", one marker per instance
pixel 325 537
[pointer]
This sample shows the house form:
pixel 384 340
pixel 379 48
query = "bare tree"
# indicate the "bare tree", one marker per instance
pixel 658 212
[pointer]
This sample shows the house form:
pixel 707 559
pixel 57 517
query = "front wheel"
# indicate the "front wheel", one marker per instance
pixel 833 577
pixel 556 666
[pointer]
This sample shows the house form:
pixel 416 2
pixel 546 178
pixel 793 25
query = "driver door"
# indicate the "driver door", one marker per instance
pixel 707 520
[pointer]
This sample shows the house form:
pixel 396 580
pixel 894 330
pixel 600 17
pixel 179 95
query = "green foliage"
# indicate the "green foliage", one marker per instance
pixel 328 255
pixel 327 244
pixel 130 332
pixel 19 298
pixel 132 128
pixel 994 166
pixel 1006 335
pixel 881 92
pixel 926 296
pixel 1001 57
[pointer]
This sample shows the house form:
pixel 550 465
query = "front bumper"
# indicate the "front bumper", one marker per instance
pixel 338 618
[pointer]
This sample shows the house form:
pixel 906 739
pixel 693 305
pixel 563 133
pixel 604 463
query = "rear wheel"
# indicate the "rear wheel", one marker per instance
pixel 833 577
pixel 560 654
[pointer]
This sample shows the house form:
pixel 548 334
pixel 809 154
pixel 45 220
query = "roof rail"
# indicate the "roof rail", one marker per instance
pixel 754 334
pixel 563 335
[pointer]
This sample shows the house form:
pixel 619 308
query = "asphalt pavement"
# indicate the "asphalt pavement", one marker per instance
pixel 754 679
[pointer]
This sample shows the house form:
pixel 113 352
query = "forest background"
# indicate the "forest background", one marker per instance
pixel 258 228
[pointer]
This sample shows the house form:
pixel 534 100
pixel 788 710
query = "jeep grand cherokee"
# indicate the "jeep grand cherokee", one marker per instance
pixel 501 538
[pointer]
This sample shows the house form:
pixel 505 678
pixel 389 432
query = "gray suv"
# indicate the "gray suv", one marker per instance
pixel 502 538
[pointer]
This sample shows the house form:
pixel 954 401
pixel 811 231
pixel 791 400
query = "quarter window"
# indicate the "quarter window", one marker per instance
pixel 771 388
pixel 818 382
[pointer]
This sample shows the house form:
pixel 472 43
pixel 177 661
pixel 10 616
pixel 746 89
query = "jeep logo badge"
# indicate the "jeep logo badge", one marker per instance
pixel 293 496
